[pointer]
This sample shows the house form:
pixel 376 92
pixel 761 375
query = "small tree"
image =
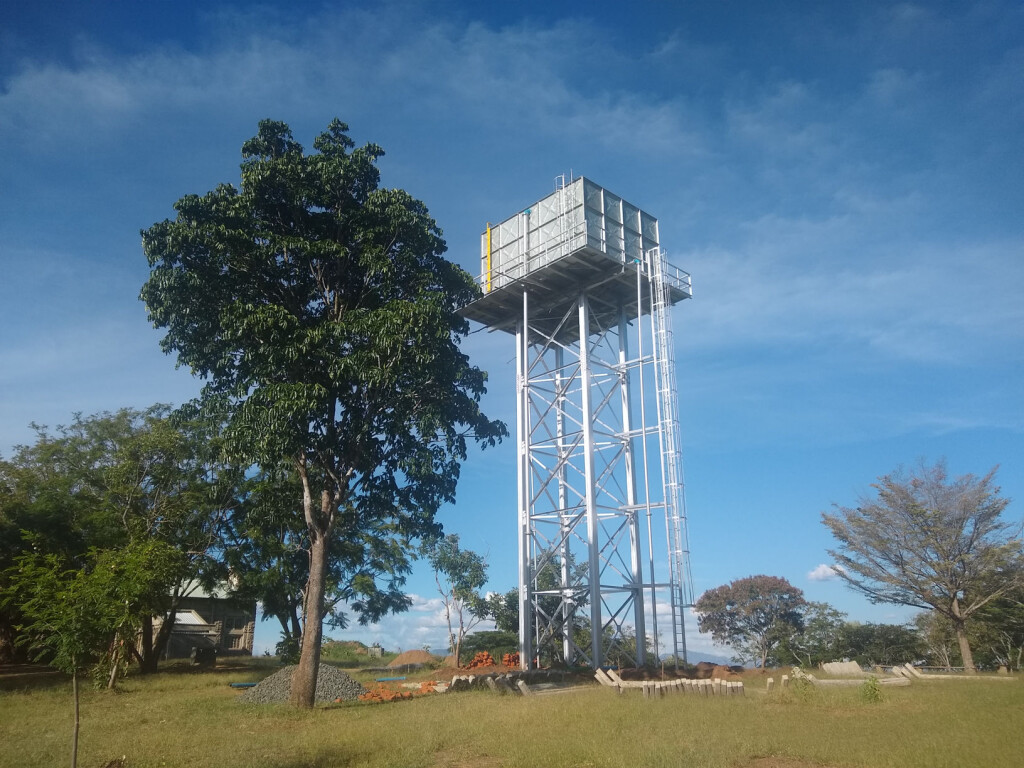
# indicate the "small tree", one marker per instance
pixel 460 574
pixel 931 542
pixel 753 615
pixel 820 639
pixel 999 630
pixel 938 641
pixel 74 615
pixel 503 608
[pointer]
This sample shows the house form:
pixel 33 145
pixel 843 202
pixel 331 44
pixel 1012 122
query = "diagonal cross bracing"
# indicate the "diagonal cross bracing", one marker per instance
pixel 589 457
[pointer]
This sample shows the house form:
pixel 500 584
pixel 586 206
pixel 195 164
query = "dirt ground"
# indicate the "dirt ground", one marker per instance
pixel 413 657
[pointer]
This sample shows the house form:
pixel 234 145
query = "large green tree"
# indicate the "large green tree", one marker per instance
pixel 930 541
pixel 319 310
pixel 753 615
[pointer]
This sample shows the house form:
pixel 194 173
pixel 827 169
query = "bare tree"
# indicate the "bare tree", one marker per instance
pixel 931 542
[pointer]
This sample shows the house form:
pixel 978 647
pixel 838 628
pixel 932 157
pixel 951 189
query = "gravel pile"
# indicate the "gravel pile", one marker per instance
pixel 331 684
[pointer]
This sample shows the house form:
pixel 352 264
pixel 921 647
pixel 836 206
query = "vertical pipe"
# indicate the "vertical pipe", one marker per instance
pixel 488 257
pixel 526 617
pixel 645 449
pixel 568 598
pixel 587 417
pixel 636 569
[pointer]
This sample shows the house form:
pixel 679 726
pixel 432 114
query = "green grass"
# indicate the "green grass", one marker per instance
pixel 184 718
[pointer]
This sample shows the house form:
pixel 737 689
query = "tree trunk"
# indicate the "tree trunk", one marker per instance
pixel 304 679
pixel 163 636
pixel 965 648
pixel 114 657
pixel 74 732
pixel 146 662
pixel 153 648
pixel 961 638
pixel 296 627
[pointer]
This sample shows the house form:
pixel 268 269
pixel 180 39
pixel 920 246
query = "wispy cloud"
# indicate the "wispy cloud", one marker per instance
pixel 823 573
pixel 849 210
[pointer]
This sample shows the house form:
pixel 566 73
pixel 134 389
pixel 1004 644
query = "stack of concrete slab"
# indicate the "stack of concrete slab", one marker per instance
pixel 844 669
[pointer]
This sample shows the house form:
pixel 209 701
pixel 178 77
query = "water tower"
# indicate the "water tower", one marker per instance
pixel 579 278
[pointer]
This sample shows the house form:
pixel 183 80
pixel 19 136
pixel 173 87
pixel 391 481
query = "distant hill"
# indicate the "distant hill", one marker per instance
pixel 715 658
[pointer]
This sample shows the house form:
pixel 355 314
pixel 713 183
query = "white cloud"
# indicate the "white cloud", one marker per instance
pixel 823 573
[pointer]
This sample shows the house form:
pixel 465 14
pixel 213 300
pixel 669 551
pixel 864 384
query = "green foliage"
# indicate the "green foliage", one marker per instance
pixel 323 317
pixel 801 687
pixel 995 633
pixel 74 613
pixel 871 691
pixel 460 574
pixel 70 618
pixel 463 571
pixel 880 644
pixel 319 310
pixel 112 482
pixel 503 608
pixel 74 616
pixel 754 615
pixel 930 541
pixel 267 544
pixel 287 648
pixel 820 639
pixel 621 648
pixel 495 642
pixel 352 653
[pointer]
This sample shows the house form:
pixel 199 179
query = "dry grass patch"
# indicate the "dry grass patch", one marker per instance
pixel 194 719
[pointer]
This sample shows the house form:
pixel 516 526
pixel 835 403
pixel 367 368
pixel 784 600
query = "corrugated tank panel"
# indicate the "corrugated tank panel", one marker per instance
pixel 581 215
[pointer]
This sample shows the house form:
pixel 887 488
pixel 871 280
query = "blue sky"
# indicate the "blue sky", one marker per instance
pixel 845 183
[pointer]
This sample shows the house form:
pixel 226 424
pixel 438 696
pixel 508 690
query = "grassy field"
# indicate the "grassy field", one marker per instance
pixel 185 718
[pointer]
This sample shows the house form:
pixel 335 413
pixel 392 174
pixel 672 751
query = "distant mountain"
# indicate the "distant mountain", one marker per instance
pixel 714 658
pixel 698 656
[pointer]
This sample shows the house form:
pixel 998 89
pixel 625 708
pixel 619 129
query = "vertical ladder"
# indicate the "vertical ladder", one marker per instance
pixel 566 233
pixel 681 581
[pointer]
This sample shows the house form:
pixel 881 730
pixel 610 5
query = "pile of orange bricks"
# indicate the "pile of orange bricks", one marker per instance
pixel 382 693
pixel 482 659
pixel 511 660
